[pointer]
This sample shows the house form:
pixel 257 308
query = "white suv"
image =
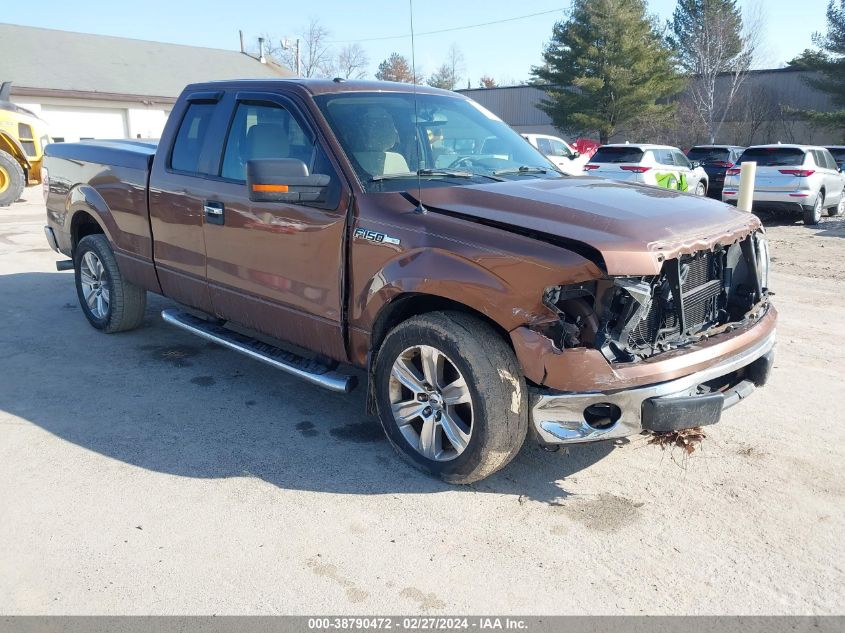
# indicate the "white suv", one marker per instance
pixel 798 178
pixel 659 165
pixel 562 154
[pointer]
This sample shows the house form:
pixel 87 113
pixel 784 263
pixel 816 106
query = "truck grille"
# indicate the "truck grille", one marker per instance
pixel 701 289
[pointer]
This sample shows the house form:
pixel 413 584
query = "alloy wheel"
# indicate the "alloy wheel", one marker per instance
pixel 431 403
pixel 95 284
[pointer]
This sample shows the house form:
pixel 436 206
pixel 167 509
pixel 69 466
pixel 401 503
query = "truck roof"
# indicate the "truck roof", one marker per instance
pixel 328 86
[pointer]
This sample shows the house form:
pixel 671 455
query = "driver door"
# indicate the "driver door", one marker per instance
pixel 276 267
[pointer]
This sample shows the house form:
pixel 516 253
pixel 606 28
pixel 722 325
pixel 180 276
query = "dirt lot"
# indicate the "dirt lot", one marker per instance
pixel 149 472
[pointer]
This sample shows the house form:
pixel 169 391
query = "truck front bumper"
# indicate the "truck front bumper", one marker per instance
pixel 697 399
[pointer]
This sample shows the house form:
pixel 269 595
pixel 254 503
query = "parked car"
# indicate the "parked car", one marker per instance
pixel 482 301
pixel 562 154
pixel 659 165
pixel 795 178
pixel 715 160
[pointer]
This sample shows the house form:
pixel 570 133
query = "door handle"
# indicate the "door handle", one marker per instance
pixel 213 212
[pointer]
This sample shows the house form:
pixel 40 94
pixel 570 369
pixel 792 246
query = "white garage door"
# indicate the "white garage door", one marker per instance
pixel 76 123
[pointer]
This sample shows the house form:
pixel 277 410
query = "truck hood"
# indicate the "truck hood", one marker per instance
pixel 632 227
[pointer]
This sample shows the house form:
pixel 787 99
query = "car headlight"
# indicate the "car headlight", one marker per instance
pixel 763 259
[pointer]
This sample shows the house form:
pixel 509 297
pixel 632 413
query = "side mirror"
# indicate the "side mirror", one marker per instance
pixel 695 164
pixel 840 167
pixel 576 154
pixel 284 180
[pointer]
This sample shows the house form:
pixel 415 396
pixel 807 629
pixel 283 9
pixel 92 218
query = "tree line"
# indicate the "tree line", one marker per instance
pixel 610 69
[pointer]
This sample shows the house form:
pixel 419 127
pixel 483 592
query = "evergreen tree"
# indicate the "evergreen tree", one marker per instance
pixel 395 68
pixel 607 68
pixel 444 78
pixel 829 61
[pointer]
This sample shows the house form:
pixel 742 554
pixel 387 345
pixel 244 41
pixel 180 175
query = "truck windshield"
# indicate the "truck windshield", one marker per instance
pixel 460 142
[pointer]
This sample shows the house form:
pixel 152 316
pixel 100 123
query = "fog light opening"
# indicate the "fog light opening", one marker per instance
pixel 602 415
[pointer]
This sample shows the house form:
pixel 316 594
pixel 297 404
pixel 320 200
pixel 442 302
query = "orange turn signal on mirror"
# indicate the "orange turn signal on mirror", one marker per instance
pixel 270 188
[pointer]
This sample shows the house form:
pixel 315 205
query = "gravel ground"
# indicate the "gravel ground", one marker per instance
pixel 149 472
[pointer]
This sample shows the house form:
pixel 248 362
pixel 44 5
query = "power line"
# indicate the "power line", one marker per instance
pixel 455 28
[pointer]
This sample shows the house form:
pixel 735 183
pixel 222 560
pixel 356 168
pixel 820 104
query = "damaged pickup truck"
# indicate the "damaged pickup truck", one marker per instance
pixel 315 225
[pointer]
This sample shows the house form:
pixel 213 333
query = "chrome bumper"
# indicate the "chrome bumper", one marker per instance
pixel 559 417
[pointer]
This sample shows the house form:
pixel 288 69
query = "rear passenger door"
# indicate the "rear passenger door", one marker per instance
pixel 833 178
pixel 178 188
pixel 276 267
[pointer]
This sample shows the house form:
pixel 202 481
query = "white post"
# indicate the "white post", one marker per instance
pixel 747 174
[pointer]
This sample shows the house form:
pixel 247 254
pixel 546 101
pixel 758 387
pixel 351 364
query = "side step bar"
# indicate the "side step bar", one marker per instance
pixel 310 370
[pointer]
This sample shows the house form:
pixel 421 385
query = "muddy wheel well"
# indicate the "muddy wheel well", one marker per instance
pixel 83 224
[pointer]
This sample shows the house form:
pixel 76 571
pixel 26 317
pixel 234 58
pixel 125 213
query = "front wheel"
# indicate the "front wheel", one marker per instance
pixel 450 396
pixel 813 215
pixel 109 302
pixel 701 189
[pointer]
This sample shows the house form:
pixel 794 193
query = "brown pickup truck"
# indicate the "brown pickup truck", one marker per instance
pixel 412 234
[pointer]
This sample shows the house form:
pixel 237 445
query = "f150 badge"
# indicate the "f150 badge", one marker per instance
pixel 374 236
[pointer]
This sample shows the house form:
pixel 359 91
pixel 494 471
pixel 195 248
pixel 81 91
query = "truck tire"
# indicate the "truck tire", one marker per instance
pixel 450 396
pixel 110 303
pixel 12 180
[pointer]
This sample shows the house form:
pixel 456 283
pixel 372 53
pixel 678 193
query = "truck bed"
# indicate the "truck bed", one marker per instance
pixel 135 154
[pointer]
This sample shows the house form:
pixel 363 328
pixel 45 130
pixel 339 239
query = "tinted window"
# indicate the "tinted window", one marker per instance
pixel 190 137
pixel 773 156
pixel 544 146
pixel 263 131
pixel 838 154
pixel 681 160
pixel 617 155
pixel 559 149
pixel 828 159
pixel 706 155
pixel 663 157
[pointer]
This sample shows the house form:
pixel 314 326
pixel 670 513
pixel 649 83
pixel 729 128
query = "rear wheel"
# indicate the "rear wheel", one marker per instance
pixel 839 209
pixel 812 215
pixel 110 303
pixel 450 396
pixel 12 180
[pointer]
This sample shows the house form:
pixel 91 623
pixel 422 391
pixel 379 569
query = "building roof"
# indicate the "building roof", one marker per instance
pixel 42 62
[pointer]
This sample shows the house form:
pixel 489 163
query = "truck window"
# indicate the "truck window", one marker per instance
pixel 263 131
pixel 559 149
pixel 190 137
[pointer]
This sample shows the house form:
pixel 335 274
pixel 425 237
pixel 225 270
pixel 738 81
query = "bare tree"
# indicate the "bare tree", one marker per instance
pixel 315 54
pixel 352 62
pixel 715 46
pixel 455 62
pixel 487 81
pixel 754 106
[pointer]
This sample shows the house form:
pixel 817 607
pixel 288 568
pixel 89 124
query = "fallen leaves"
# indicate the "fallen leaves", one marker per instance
pixel 687 439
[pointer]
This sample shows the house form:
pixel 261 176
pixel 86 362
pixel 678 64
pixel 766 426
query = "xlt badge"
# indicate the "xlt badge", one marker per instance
pixel 374 236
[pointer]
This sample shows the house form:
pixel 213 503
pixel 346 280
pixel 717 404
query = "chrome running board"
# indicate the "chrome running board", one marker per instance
pixel 308 369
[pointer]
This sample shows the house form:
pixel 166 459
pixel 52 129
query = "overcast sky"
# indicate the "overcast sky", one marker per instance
pixel 505 50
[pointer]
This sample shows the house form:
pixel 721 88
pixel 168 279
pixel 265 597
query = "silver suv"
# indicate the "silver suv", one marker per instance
pixel 798 178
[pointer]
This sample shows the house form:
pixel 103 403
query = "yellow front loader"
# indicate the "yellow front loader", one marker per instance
pixel 23 137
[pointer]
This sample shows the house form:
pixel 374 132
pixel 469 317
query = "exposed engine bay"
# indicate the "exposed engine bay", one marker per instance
pixel 694 296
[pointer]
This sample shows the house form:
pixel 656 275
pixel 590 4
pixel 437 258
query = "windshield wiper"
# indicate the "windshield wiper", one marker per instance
pixel 525 169
pixel 427 173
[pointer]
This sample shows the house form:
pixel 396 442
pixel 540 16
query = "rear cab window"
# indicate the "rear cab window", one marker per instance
pixel 618 155
pixel 187 148
pixel 774 156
